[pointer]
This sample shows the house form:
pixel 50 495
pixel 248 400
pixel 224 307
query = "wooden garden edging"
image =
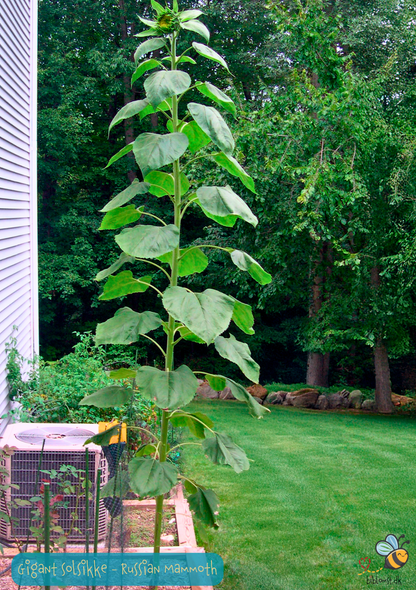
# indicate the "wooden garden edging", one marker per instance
pixel 184 527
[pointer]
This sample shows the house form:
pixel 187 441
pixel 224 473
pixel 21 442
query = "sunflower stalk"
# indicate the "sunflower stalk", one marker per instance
pixel 198 132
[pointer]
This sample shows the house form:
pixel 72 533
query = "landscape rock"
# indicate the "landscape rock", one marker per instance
pixel 226 394
pixel 335 401
pixel 257 391
pixel 356 399
pixel 282 394
pixel 274 398
pixel 369 404
pixel 206 392
pixel 258 399
pixel 303 398
pixel 322 403
pixel 402 400
pixel 345 398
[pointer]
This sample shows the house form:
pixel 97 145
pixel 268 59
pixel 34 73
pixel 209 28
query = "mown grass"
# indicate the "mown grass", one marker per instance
pixel 322 489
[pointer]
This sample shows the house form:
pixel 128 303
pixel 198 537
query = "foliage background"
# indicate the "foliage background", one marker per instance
pixel 364 57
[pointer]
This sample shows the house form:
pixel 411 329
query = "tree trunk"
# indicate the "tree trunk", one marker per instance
pixel 383 384
pixel 318 369
pixel 381 362
pixel 317 372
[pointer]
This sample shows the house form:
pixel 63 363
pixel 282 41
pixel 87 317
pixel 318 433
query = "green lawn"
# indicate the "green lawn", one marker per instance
pixel 322 489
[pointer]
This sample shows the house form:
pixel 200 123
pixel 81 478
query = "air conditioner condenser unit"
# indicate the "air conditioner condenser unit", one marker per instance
pixel 64 445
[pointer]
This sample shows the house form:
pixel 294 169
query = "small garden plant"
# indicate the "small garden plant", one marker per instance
pixel 194 132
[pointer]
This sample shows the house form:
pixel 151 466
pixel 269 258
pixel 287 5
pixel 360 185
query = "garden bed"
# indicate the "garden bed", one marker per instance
pixel 178 536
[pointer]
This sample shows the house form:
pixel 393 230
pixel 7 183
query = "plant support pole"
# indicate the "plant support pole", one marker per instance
pixel 47 519
pixel 97 512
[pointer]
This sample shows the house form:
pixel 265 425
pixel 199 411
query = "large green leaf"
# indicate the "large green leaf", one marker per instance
pixel 190 336
pixel 113 396
pixel 122 373
pixel 116 487
pixel 144 67
pixel 147 47
pixel 136 188
pixel 204 503
pixel 223 451
pixel 162 184
pixel 238 391
pixel 243 317
pixel 196 27
pixel 216 382
pixel 238 353
pixel 149 477
pixel 245 262
pixel 234 168
pixel 187 15
pixel 212 123
pixel 183 59
pixel 131 109
pixel 152 151
pixel 217 96
pixel 210 54
pixel 125 150
pixel 147 33
pixel 122 259
pixel 103 438
pixel 120 216
pixel 124 284
pixel 167 389
pixel 197 138
pixel 196 422
pixel 126 326
pixel 206 314
pixel 166 105
pixel 162 85
pixel 224 206
pixel 191 260
pixel 148 241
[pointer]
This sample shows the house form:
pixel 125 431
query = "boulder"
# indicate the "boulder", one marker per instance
pixel 369 405
pixel 257 391
pixel 226 394
pixel 345 398
pixel 335 401
pixel 205 391
pixel 258 399
pixel 282 394
pixel 303 398
pixel 274 398
pixel 322 403
pixel 402 400
pixel 356 399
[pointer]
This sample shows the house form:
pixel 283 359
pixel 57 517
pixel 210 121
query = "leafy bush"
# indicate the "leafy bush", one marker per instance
pixel 52 390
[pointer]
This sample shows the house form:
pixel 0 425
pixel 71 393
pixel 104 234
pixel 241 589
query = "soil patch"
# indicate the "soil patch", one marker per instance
pixel 138 524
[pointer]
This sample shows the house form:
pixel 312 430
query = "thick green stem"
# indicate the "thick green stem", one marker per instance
pixel 169 361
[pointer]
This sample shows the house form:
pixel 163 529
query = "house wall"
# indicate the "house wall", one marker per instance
pixel 18 237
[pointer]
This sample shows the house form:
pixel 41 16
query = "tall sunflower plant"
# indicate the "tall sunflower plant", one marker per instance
pixel 197 317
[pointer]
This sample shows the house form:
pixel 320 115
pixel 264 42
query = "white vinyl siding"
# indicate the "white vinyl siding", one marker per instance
pixel 18 236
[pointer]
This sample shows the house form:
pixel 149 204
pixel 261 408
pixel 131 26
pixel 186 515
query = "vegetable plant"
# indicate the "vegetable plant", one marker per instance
pixel 195 132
